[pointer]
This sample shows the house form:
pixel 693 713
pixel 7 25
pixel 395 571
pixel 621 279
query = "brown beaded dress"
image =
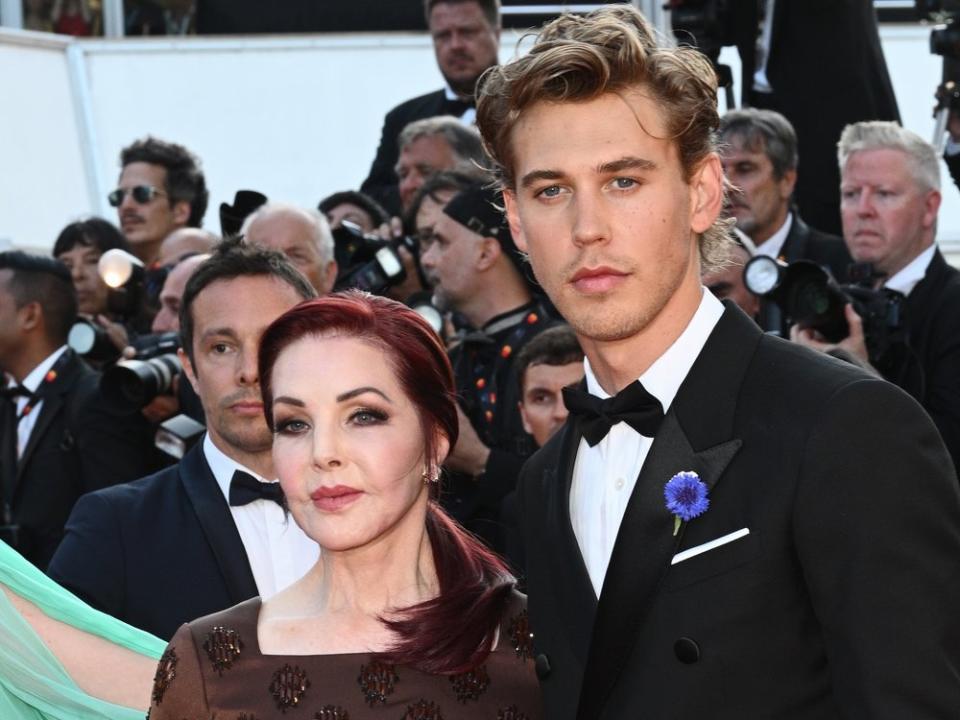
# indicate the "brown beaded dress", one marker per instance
pixel 213 668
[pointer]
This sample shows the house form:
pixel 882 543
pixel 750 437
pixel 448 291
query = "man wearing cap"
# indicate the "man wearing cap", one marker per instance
pixel 476 271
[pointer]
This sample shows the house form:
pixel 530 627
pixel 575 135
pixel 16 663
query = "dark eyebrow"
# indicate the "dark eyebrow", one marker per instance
pixel 224 331
pixel 289 401
pixel 614 166
pixel 531 177
pixel 626 163
pixel 350 394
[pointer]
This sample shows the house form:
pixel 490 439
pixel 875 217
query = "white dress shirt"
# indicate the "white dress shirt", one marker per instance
pixel 279 551
pixel 772 246
pixel 908 277
pixel 31 382
pixel 604 475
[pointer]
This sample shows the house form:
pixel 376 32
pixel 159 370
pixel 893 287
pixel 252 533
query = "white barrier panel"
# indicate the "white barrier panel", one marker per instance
pixel 296 117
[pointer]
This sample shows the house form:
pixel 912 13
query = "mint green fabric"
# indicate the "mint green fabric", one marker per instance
pixel 33 683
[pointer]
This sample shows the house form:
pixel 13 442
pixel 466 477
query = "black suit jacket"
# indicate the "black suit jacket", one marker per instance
pixel 158 552
pixel 930 368
pixel 381 182
pixel 841 600
pixel 806 243
pixel 827 70
pixel 75 446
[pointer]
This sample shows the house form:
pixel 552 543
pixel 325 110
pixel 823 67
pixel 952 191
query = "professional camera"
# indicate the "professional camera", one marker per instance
pixel 811 299
pixel 707 24
pixel 131 384
pixel 367 261
pixel 945 42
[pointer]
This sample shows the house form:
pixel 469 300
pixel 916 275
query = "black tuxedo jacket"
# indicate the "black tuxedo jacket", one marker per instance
pixel 840 602
pixel 806 243
pixel 158 552
pixel 827 70
pixel 75 446
pixel 381 182
pixel 930 368
pixel 953 166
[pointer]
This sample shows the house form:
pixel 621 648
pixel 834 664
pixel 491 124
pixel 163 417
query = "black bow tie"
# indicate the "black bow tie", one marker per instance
pixel 245 488
pixel 632 405
pixel 456 107
pixel 12 393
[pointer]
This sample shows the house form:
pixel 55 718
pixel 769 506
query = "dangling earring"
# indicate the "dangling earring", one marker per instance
pixel 429 477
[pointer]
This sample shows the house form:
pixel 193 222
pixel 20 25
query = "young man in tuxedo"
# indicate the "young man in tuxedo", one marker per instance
pixel 211 531
pixel 807 567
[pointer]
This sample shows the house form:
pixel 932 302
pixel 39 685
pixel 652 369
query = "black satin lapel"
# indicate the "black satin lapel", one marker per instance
pixel 54 401
pixel 217 524
pixel 51 407
pixel 568 570
pixel 641 557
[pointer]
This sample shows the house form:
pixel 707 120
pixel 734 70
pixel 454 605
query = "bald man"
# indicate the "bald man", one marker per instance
pixel 304 236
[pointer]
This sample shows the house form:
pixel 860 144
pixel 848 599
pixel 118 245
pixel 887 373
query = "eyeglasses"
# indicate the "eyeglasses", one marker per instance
pixel 141 193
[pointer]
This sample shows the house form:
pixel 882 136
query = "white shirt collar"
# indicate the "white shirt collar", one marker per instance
pixel 907 278
pixel 32 381
pixel 665 376
pixel 223 466
pixel 469 116
pixel 772 246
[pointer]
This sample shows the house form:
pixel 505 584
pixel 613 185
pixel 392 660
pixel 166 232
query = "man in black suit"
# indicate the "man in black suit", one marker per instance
pixel 820 63
pixel 209 532
pixel 759 157
pixel 890 197
pixel 466 39
pixel 57 441
pixel 745 529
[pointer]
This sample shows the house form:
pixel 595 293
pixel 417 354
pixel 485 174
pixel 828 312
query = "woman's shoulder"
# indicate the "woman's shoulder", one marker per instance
pixel 236 625
pixel 515 633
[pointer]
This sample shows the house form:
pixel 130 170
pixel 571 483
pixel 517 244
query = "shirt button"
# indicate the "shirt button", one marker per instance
pixel 619 484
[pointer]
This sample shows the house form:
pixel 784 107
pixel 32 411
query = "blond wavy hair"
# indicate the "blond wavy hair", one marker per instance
pixel 610 50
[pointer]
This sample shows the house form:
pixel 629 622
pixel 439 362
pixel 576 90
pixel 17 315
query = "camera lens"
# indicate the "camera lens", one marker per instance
pixel 132 384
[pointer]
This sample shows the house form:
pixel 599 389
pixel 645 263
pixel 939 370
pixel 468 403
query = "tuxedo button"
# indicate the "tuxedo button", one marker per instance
pixel 542 665
pixel 687 650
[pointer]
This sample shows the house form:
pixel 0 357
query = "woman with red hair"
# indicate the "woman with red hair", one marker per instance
pixel 404 615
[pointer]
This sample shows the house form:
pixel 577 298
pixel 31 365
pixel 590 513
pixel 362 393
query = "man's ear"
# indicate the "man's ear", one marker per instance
pixel 931 207
pixel 523 419
pixel 181 212
pixel 330 275
pixel 188 369
pixel 30 317
pixel 706 194
pixel 513 219
pixel 489 252
pixel 787 183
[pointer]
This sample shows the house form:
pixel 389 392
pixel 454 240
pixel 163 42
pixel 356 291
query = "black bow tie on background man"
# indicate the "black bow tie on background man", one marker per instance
pixel 632 405
pixel 457 107
pixel 245 488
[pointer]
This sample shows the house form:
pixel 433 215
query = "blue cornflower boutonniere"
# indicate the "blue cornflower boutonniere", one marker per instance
pixel 686 496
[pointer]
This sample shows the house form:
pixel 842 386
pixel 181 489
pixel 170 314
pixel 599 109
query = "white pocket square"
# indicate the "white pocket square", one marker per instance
pixel 707 546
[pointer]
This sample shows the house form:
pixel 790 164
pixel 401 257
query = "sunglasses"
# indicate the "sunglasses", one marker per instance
pixel 141 193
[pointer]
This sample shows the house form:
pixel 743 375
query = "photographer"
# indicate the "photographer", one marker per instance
pixel 890 196
pixel 80 246
pixel 475 269
pixel 303 236
pixel 759 157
